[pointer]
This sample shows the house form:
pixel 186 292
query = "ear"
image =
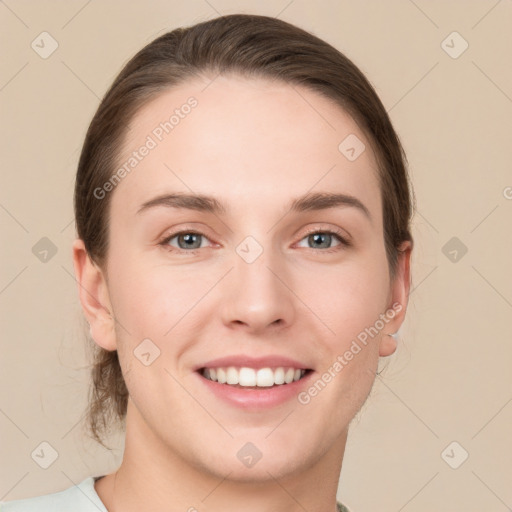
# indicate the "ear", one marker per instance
pixel 399 297
pixel 94 297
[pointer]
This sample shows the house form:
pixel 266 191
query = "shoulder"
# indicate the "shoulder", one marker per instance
pixel 78 498
pixel 341 507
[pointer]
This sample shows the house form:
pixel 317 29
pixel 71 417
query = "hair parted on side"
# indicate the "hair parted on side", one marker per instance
pixel 250 46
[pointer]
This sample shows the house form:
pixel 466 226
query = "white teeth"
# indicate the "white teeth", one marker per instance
pixel 279 376
pixel 288 377
pixel 247 377
pixel 231 376
pixel 221 375
pixel 263 377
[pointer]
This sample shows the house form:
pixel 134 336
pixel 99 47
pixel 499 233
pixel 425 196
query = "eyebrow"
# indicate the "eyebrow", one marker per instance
pixel 308 202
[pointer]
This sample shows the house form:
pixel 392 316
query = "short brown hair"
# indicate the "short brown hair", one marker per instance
pixel 251 46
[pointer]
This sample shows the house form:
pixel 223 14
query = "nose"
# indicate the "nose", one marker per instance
pixel 257 296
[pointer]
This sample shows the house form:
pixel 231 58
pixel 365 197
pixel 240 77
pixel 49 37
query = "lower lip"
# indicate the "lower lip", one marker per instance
pixel 262 398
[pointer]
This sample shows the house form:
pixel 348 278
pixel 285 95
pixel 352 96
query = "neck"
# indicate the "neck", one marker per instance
pixel 154 477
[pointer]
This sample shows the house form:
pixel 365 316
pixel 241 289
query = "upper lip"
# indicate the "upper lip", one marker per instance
pixel 242 360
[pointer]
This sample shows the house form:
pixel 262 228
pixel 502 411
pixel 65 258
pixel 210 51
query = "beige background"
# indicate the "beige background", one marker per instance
pixel 450 379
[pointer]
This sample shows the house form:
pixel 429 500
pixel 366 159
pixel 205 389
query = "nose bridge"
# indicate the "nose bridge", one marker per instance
pixel 257 296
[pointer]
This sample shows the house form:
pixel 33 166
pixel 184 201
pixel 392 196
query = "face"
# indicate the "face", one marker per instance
pixel 255 278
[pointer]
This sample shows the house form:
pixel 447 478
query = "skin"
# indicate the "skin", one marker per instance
pixel 254 145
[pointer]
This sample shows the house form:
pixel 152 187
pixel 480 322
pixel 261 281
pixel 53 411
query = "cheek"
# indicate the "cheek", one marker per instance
pixel 150 299
pixel 349 297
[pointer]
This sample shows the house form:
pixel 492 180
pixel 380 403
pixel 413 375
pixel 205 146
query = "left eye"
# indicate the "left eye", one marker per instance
pixel 321 237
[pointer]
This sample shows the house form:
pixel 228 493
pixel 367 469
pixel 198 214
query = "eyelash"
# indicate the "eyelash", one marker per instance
pixel 338 234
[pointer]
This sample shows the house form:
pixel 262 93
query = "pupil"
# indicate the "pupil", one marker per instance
pixel 318 236
pixel 189 239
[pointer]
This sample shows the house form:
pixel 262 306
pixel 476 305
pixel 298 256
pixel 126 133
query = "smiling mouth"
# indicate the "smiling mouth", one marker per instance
pixel 250 378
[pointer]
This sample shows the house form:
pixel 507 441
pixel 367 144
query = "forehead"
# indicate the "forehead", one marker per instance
pixel 249 142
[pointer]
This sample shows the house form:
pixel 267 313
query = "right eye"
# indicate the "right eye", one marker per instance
pixel 187 239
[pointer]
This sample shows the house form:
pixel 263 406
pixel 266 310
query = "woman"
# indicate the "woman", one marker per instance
pixel 243 252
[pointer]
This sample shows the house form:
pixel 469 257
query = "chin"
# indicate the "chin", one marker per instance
pixel 261 472
pixel 252 466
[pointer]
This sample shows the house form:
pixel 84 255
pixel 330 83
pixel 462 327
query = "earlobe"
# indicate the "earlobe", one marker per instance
pixel 94 297
pixel 399 297
pixel 388 345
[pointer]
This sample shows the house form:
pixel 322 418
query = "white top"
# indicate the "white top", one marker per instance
pixel 79 498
